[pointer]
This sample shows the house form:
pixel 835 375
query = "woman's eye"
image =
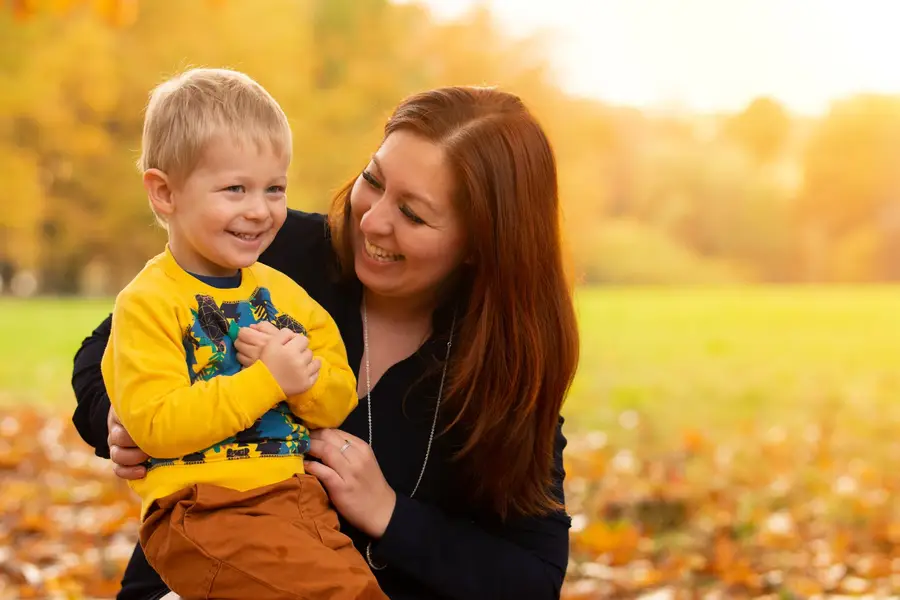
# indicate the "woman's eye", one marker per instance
pixel 370 179
pixel 409 214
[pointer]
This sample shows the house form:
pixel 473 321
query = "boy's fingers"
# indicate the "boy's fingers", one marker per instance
pixel 281 337
pixel 285 335
pixel 253 337
pixel 314 367
pixel 293 345
pixel 265 327
pixel 306 357
pixel 302 341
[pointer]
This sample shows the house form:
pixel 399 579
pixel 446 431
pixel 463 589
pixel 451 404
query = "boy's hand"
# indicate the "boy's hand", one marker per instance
pixel 288 357
pixel 251 341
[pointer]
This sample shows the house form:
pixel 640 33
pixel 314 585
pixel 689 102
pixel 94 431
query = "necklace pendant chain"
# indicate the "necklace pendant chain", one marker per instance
pixel 437 407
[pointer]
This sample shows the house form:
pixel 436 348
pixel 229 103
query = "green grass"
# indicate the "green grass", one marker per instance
pixel 684 358
pixel 40 338
pixel 715 358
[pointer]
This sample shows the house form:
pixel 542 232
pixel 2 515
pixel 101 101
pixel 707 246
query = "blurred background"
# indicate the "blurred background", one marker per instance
pixel 730 181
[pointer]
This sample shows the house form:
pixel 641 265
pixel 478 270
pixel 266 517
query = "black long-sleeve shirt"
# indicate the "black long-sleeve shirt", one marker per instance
pixel 434 546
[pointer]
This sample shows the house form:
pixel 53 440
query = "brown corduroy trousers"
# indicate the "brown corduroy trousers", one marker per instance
pixel 277 542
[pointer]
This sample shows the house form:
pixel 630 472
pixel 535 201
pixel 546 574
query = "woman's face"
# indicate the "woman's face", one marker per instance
pixel 407 234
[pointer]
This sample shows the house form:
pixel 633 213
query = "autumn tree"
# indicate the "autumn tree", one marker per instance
pixel 849 207
pixel 80 80
pixel 761 129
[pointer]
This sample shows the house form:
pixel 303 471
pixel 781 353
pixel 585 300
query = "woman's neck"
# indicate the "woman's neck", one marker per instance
pixel 408 312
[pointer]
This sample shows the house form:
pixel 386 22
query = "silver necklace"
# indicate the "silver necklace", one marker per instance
pixel 369 406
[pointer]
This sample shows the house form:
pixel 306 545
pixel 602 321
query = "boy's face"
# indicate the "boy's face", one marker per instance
pixel 228 210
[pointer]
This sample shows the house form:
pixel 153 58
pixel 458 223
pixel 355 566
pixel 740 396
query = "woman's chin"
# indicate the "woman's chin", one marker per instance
pixel 381 284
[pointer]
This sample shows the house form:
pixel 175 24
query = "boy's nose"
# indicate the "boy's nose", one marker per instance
pixel 257 208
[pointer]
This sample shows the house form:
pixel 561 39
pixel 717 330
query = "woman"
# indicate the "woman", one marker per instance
pixel 441 265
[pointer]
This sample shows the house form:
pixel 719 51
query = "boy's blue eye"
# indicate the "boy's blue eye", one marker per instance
pixel 237 189
pixel 276 189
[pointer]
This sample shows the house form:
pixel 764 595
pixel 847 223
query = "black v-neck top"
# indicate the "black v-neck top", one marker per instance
pixel 434 546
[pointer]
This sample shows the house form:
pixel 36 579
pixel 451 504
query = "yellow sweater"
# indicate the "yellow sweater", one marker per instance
pixel 173 378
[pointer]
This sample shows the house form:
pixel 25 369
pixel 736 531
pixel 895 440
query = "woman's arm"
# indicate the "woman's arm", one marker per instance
pixel 456 558
pixel 90 392
pixel 140 581
pixel 522 558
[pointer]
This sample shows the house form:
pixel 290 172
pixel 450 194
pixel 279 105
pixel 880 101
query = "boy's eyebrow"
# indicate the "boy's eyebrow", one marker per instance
pixel 249 177
pixel 409 195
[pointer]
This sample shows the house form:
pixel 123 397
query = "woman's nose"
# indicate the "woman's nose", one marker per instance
pixel 377 220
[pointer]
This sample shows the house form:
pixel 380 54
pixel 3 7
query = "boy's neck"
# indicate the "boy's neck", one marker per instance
pixel 195 264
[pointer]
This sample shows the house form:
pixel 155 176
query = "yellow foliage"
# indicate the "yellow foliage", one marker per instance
pixel 645 199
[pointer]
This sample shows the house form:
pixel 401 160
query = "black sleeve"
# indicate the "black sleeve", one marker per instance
pixel 302 251
pixel 140 581
pixel 90 392
pixel 522 558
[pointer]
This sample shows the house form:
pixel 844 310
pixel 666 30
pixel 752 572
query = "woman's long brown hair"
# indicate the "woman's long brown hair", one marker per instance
pixel 517 345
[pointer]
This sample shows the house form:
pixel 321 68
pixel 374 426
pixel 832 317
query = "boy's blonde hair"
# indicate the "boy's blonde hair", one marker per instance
pixel 188 111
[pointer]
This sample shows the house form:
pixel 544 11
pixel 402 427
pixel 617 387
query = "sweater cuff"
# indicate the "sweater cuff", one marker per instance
pixel 302 401
pixel 266 392
pixel 404 531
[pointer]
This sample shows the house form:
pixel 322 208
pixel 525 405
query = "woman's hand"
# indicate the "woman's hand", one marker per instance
pixel 353 479
pixel 128 458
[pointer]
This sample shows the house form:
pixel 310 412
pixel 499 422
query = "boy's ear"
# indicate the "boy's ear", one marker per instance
pixel 159 192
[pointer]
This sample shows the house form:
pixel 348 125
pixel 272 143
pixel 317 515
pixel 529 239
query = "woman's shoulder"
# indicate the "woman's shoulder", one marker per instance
pixel 308 220
pixel 302 232
pixel 302 249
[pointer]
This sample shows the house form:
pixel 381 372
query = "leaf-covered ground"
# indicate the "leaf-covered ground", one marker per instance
pixel 772 513
pixel 67 527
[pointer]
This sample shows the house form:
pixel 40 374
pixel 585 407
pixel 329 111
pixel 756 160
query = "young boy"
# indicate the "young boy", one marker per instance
pixel 227 511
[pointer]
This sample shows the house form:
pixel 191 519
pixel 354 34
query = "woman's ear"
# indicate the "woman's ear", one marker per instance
pixel 159 192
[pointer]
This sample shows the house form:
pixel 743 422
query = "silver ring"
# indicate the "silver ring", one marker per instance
pixel 345 446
